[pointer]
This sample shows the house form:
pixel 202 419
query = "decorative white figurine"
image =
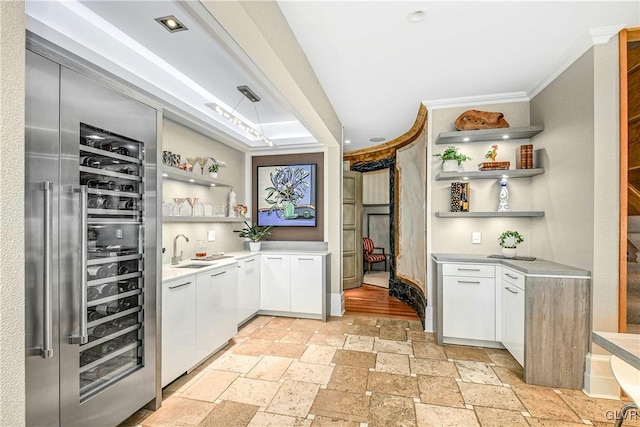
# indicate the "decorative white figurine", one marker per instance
pixel 503 206
pixel 231 203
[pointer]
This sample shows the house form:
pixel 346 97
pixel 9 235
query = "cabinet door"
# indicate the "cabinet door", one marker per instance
pixel 248 287
pixel 178 327
pixel 306 284
pixel 275 282
pixel 468 305
pixel 215 309
pixel 513 320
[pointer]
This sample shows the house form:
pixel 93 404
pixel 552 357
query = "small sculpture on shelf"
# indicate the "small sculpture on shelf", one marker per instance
pixel 475 119
pixel 492 164
pixel 503 205
pixel 491 154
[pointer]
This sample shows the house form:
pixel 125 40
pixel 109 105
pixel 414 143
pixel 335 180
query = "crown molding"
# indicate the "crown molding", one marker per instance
pixel 602 35
pixel 498 98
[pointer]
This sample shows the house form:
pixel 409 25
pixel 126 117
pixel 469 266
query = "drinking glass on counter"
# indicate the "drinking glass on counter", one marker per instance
pixel 208 209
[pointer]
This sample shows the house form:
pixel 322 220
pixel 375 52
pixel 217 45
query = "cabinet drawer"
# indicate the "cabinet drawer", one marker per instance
pixel 513 277
pixel 469 270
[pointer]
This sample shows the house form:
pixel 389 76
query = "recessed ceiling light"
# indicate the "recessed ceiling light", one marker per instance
pixel 505 136
pixel 465 139
pixel 171 24
pixel 416 16
pixel 192 180
pixel 377 139
pixel 347 141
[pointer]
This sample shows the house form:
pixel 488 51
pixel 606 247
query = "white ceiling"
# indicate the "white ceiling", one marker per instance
pixel 374 65
pixel 186 69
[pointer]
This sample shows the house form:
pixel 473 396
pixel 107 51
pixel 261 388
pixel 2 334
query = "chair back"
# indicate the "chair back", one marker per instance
pixel 367 244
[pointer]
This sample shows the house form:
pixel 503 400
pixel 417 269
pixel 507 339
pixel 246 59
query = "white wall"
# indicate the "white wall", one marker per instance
pixel 12 285
pixel 565 191
pixel 188 143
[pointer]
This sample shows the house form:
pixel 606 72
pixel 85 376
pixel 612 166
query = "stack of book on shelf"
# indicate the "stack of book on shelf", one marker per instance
pixel 494 166
pixel 524 157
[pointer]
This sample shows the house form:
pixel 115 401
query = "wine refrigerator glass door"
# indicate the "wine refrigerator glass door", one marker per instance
pixel 107 250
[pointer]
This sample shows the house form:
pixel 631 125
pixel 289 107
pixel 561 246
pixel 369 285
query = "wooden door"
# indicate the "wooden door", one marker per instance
pixel 351 230
pixel 629 42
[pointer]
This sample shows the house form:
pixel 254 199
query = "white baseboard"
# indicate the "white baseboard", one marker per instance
pixel 598 378
pixel 428 319
pixel 337 304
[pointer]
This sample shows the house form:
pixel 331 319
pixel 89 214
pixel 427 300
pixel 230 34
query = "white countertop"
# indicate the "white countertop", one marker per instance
pixel 170 272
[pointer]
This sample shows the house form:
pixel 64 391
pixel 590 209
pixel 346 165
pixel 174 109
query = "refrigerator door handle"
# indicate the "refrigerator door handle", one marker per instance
pixel 83 336
pixel 46 351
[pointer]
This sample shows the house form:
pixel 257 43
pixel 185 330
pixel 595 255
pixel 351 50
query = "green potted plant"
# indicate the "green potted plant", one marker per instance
pixel 255 233
pixel 451 159
pixel 213 170
pixel 509 241
pixel 289 186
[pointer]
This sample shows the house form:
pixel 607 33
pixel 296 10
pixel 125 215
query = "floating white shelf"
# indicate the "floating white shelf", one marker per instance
pixel 483 135
pixel 497 174
pixel 203 219
pixel 191 177
pixel 521 214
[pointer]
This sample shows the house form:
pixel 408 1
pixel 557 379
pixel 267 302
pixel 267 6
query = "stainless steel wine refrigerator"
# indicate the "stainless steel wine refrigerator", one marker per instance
pixel 90 207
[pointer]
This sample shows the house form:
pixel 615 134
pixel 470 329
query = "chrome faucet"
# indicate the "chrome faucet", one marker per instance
pixel 176 259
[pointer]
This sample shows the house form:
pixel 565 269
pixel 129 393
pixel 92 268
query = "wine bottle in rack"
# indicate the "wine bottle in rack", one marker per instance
pixel 127 303
pixel 128 338
pixel 100 330
pixel 125 322
pixel 127 285
pixel 100 271
pixel 128 187
pixel 108 347
pixel 106 309
pixel 91 161
pixel 108 290
pixel 123 269
pixel 89 356
pixel 126 204
pixel 122 150
pixel 92 293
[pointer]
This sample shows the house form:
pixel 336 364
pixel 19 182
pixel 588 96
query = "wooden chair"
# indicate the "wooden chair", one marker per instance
pixel 369 256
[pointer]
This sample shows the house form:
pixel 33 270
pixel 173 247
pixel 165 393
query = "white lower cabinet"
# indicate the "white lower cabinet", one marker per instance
pixel 275 282
pixel 178 327
pixel 513 313
pixel 248 287
pixel 292 284
pixel 216 302
pixel 468 302
pixel 306 284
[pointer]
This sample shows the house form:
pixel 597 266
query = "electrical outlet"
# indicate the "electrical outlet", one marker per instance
pixel 119 234
pixel 476 237
pixel 211 236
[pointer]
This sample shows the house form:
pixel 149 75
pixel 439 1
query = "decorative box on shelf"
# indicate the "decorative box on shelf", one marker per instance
pixel 494 166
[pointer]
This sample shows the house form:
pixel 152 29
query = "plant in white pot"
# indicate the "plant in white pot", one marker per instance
pixel 213 170
pixel 255 233
pixel 214 166
pixel 509 241
pixel 451 159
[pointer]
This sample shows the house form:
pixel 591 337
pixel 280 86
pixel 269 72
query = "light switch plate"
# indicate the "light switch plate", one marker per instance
pixel 211 236
pixel 476 237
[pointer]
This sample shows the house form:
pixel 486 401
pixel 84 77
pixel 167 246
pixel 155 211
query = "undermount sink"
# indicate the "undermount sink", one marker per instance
pixel 194 265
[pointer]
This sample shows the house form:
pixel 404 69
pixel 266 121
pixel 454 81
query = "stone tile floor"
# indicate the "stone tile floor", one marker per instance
pixel 364 371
